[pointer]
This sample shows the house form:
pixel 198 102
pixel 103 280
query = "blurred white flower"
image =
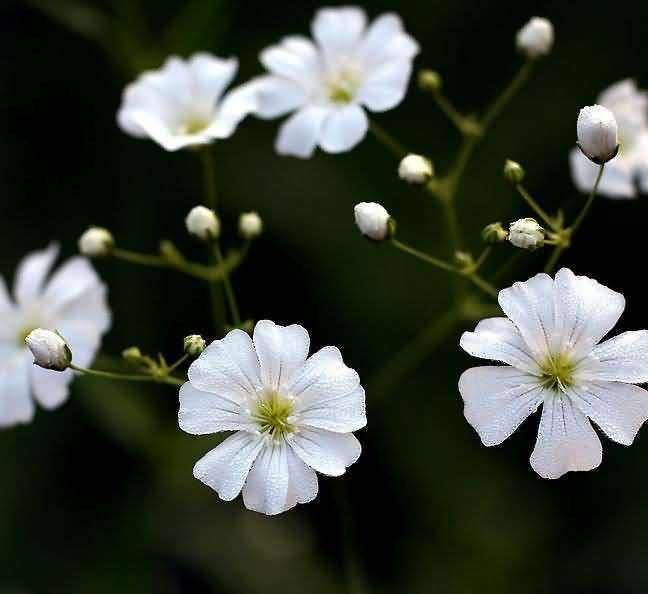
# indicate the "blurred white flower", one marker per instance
pixel 73 301
pixel 96 241
pixel 330 81
pixel 203 223
pixel 292 415
pixel 49 349
pixel 183 103
pixel 526 234
pixel 415 169
pixel 372 219
pixel 597 133
pixel 550 344
pixel 536 38
pixel 628 171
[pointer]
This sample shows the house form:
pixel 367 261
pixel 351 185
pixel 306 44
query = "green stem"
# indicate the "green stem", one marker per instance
pixel 137 258
pixel 583 213
pixel 355 575
pixel 177 364
pixel 553 260
pixel 482 257
pixel 209 178
pixel 450 111
pixel 507 94
pixel 423 256
pixel 388 140
pixel 163 379
pixel 227 286
pixel 483 284
pixel 535 206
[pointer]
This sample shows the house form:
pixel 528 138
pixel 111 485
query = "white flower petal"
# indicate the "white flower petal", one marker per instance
pixel 296 58
pixel 623 358
pixel 6 304
pixel 277 96
pixel 618 409
pixel 566 440
pixel 386 41
pixel 343 128
pixel 228 367
pixel 497 399
pixel 498 339
pixel 205 412
pixel 327 452
pixel 226 467
pixel 298 135
pixel 303 480
pixel 32 273
pixel 162 133
pixel 236 105
pixel 267 486
pixel 338 30
pixel 385 88
pixel 211 76
pixel 616 182
pixel 16 405
pixel 341 414
pixel 50 388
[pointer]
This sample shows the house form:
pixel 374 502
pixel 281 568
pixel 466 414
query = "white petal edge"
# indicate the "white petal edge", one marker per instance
pixel 324 451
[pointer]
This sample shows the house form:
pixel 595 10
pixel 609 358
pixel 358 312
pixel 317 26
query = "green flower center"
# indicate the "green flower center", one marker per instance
pixel 272 413
pixel 557 373
pixel 342 87
pixel 193 126
pixel 24 333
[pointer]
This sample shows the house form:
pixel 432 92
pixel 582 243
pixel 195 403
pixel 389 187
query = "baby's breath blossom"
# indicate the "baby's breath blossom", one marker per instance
pixel 183 103
pixel 330 81
pixel 292 415
pixel 372 219
pixel 597 133
pixel 415 169
pixel 203 223
pixel 551 344
pixel 73 301
pixel 526 234
pixel 536 38
pixel 49 349
pixel 627 173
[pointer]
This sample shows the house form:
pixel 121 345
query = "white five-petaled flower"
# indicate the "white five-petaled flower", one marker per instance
pixel 329 81
pixel 73 301
pixel 627 173
pixel 550 344
pixel 183 103
pixel 292 414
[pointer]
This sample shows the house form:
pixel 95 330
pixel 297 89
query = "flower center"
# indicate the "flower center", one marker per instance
pixel 272 413
pixel 557 373
pixel 193 125
pixel 343 85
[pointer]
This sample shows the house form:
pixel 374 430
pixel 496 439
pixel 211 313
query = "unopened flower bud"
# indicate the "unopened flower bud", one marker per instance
pixel 526 234
pixel 49 349
pixel 430 81
pixel 513 172
pixel 132 355
pixel 415 169
pixel 597 133
pixel 373 221
pixel 250 225
pixel 96 241
pixel 194 344
pixel 494 233
pixel 203 223
pixel 536 38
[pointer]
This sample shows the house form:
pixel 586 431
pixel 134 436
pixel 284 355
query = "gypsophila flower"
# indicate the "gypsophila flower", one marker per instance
pixel 292 414
pixel 49 349
pixel 536 38
pixel 526 234
pixel 328 83
pixel 415 169
pixel 372 219
pixel 73 301
pixel 628 171
pixel 597 133
pixel 96 241
pixel 203 223
pixel 183 103
pixel 550 345
pixel 250 225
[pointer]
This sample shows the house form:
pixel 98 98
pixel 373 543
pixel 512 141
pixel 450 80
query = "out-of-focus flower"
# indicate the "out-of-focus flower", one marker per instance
pixel 328 83
pixel 203 223
pixel 526 234
pixel 550 345
pixel 49 349
pixel 250 225
pixel 415 169
pixel 372 219
pixel 184 103
pixel 597 133
pixel 73 301
pixel 292 414
pixel 628 171
pixel 96 241
pixel 513 172
pixel 536 38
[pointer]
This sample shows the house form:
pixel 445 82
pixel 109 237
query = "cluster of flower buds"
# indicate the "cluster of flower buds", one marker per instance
pixel 374 221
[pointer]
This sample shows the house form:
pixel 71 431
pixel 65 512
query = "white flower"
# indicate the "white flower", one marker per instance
pixel 183 103
pixel 73 301
pixel 526 234
pixel 250 225
pixel 372 219
pixel 96 241
pixel 415 169
pixel 292 415
pixel 630 166
pixel 550 345
pixel 597 133
pixel 203 223
pixel 49 349
pixel 536 38
pixel 329 82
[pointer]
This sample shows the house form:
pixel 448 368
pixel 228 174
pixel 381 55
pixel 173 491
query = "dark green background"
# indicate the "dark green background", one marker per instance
pixel 98 497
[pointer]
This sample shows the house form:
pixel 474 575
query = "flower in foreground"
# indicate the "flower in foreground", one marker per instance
pixel 628 171
pixel 292 415
pixel 184 103
pixel 72 301
pixel 330 81
pixel 551 345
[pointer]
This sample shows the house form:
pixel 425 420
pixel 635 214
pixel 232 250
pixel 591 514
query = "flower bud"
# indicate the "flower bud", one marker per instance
pixel 203 223
pixel 513 172
pixel 373 221
pixel 250 225
pixel 49 349
pixel 194 344
pixel 597 133
pixel 96 241
pixel 536 38
pixel 494 233
pixel 464 259
pixel 132 355
pixel 526 234
pixel 430 81
pixel 415 169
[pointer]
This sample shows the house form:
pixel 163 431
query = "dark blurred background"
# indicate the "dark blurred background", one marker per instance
pixel 98 496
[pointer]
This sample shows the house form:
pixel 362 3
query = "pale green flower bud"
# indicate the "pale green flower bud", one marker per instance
pixel 513 172
pixel 194 344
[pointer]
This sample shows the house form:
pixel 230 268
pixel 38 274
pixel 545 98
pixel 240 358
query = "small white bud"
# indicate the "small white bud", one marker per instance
pixel 526 234
pixel 194 344
pixel 373 220
pixel 597 133
pixel 415 169
pixel 203 223
pixel 96 241
pixel 49 349
pixel 536 38
pixel 250 225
